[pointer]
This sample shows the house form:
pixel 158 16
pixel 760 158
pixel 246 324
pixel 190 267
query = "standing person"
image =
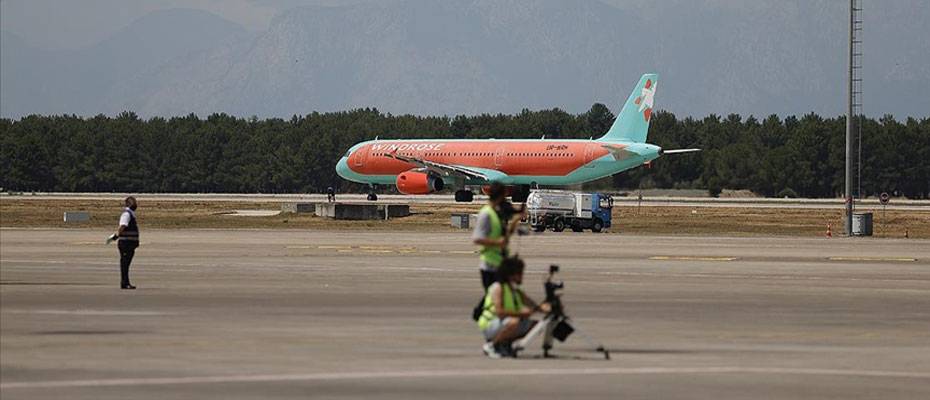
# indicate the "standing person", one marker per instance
pixel 330 194
pixel 491 234
pixel 127 236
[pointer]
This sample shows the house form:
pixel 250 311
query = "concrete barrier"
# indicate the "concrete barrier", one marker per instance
pixel 298 208
pixel 77 216
pixel 462 221
pixel 350 211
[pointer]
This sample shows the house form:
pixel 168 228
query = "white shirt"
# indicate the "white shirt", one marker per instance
pixel 124 218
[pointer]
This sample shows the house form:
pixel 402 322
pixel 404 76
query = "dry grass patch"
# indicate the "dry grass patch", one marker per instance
pixel 178 214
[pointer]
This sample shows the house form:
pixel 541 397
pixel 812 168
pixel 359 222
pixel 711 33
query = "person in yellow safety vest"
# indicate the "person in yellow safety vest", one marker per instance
pixel 492 235
pixel 506 311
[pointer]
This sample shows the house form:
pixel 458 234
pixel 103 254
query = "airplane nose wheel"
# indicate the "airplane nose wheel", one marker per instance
pixel 372 196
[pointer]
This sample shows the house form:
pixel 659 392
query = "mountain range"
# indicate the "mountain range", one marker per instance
pixel 430 57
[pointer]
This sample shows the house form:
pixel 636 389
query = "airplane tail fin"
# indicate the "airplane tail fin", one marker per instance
pixel 632 124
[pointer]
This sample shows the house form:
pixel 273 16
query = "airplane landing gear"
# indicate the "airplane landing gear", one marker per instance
pixel 520 193
pixel 464 196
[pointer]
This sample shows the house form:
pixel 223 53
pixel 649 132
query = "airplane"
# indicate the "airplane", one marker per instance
pixel 426 166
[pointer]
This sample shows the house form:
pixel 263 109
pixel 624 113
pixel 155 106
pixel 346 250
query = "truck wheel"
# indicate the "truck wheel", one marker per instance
pixel 539 228
pixel 597 226
pixel 576 226
pixel 558 225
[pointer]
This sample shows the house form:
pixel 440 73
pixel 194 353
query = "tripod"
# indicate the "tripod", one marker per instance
pixel 556 325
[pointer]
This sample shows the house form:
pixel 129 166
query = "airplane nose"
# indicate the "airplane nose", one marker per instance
pixel 342 167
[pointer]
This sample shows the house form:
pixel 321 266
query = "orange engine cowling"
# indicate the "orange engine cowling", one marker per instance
pixel 414 182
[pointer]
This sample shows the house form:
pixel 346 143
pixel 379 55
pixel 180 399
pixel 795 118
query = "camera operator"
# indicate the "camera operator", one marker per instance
pixel 496 221
pixel 506 310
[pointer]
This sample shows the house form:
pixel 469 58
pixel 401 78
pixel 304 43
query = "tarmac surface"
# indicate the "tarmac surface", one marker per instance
pixel 295 314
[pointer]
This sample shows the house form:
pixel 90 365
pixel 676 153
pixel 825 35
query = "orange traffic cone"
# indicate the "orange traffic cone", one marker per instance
pixel 829 230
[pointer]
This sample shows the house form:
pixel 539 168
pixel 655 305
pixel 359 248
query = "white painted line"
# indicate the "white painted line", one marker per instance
pixel 692 258
pixel 902 259
pixel 332 376
pixel 89 312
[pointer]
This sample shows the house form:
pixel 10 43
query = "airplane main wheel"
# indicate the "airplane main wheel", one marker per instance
pixel 464 196
pixel 520 194
pixel 597 226
pixel 558 225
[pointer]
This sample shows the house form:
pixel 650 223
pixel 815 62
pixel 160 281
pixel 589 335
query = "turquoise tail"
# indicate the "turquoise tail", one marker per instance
pixel 632 124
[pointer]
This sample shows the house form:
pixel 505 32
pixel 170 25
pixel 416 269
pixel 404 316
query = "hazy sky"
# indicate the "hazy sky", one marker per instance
pixel 72 24
pixel 776 51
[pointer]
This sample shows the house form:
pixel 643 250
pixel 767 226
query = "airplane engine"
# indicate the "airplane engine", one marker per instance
pixel 415 182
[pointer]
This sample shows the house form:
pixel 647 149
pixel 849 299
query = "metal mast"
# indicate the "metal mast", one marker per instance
pixel 854 90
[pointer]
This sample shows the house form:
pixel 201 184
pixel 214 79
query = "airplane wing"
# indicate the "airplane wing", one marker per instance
pixel 451 169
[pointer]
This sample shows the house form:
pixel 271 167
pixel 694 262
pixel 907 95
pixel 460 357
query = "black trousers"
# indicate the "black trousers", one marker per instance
pixel 487 279
pixel 127 250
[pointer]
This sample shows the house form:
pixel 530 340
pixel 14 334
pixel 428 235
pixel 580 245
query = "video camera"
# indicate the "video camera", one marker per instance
pixel 506 210
pixel 553 287
pixel 561 328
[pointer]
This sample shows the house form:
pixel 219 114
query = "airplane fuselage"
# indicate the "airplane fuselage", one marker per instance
pixel 427 166
pixel 518 162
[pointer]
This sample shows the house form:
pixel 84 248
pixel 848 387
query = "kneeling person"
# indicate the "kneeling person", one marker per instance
pixel 507 309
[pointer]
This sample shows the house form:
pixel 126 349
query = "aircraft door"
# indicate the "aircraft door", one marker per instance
pixel 499 158
pixel 361 156
pixel 589 155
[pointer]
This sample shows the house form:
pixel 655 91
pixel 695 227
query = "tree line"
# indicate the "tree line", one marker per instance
pixel 793 156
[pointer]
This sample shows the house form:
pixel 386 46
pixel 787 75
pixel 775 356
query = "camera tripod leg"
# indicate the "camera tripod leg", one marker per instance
pixel 597 346
pixel 541 326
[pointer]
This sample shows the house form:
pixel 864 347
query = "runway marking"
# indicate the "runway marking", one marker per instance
pixel 381 249
pixel 90 312
pixel 334 376
pixel 900 259
pixel 691 258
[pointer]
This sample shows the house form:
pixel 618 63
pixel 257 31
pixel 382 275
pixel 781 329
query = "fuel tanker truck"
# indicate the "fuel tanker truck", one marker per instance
pixel 557 210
